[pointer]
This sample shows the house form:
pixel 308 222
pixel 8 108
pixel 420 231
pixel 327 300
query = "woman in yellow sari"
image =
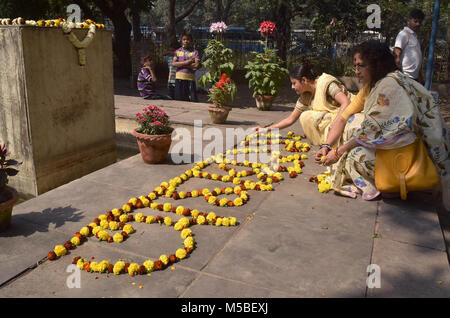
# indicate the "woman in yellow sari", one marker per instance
pixel 396 110
pixel 321 98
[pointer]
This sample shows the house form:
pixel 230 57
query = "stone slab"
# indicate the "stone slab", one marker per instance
pixel 410 271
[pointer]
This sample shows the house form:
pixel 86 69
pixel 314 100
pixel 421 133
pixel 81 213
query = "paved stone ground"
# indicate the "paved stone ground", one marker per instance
pixel 292 242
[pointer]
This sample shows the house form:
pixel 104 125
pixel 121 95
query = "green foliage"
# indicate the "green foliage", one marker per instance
pixel 5 168
pixel 219 61
pixel 265 73
pixel 221 95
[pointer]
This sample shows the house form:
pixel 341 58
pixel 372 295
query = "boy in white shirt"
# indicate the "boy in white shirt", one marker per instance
pixel 408 55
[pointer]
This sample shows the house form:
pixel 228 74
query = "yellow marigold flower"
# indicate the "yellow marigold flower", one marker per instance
pixel 180 253
pixel 96 229
pixel 139 217
pixel 184 221
pixel 75 241
pixel 164 184
pixel 102 217
pixel 298 144
pixel 205 191
pixel 189 242
pixel 233 221
pixel 194 193
pixel 182 194
pixel 226 178
pixel 179 210
pixel 118 267
pixel 244 196
pixel 304 156
pixel 324 186
pixel 84 231
pixel 169 194
pixel 237 202
pixel 115 212
pixel 218 221
pixel 178 226
pixel 228 190
pixel 123 218
pixel 103 235
pixel 92 224
pixel 163 258
pixel 150 219
pixel 221 165
pixel 201 219
pixel 133 201
pixel 126 208
pixel 212 200
pixel 260 175
pixel 133 268
pixel 80 263
pixel 196 173
pixel 145 202
pixel 231 172
pixel 204 174
pixel 269 187
pixel 152 196
pixel 225 222
pixel 185 233
pixel 223 202
pixel 188 173
pixel 159 190
pixel 118 238
pixel 298 169
pixel 237 181
pixel 269 180
pixel 184 177
pixel 236 189
pixel 103 266
pixel 94 266
pixel 243 173
pixel 195 213
pixel 178 180
pixel 210 216
pixel 154 205
pixel 167 207
pixel 104 224
pixel 60 250
pixel 128 229
pixel 214 176
pixel 167 221
pixel 149 265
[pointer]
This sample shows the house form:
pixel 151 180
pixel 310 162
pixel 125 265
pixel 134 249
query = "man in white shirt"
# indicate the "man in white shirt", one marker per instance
pixel 408 55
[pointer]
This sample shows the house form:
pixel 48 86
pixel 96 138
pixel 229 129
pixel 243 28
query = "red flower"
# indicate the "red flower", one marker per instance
pixel 267 28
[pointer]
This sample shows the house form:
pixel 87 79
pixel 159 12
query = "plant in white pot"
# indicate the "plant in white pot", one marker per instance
pixel 265 73
pixel 8 195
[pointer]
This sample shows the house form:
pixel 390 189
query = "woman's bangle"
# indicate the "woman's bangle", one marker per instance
pixel 325 146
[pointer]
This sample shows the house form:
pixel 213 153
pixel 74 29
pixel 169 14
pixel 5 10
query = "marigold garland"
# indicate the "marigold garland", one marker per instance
pixel 118 220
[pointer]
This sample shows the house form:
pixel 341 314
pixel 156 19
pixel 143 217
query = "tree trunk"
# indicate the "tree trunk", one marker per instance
pixel 173 20
pixel 136 19
pixel 121 44
pixel 283 23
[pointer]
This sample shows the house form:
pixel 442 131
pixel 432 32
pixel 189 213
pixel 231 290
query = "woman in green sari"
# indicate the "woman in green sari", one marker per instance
pixel 396 110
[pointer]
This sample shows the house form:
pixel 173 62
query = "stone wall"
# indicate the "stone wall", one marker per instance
pixel 55 115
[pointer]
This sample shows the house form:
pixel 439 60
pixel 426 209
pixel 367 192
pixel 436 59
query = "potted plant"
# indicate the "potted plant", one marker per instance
pixel 220 94
pixel 8 195
pixel 219 57
pixel 265 71
pixel 154 134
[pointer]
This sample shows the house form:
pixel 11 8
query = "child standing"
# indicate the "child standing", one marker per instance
pixel 172 71
pixel 186 62
pixel 146 79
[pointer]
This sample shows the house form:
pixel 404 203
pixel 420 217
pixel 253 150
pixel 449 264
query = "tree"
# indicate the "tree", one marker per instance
pixel 173 20
pixel 223 9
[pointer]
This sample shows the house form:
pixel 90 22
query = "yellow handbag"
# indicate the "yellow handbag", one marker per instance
pixel 404 169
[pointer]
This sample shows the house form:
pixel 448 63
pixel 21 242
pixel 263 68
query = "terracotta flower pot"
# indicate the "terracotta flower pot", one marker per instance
pixel 219 115
pixel 6 208
pixel 264 102
pixel 153 148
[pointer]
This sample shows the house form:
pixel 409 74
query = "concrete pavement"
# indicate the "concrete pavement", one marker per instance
pixel 291 242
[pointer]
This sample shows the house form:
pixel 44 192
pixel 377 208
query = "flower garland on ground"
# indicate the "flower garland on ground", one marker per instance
pixel 118 220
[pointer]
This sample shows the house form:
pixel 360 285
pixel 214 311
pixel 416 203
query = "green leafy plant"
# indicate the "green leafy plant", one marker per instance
pixel 5 168
pixel 265 73
pixel 224 90
pixel 218 61
pixel 153 121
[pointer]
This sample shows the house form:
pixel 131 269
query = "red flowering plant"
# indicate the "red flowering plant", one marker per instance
pixel 267 28
pixel 224 90
pixel 6 170
pixel 153 121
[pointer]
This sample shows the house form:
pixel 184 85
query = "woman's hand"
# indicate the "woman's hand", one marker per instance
pixel 331 158
pixel 319 154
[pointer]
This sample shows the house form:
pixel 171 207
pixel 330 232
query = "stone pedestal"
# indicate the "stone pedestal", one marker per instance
pixel 55 115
